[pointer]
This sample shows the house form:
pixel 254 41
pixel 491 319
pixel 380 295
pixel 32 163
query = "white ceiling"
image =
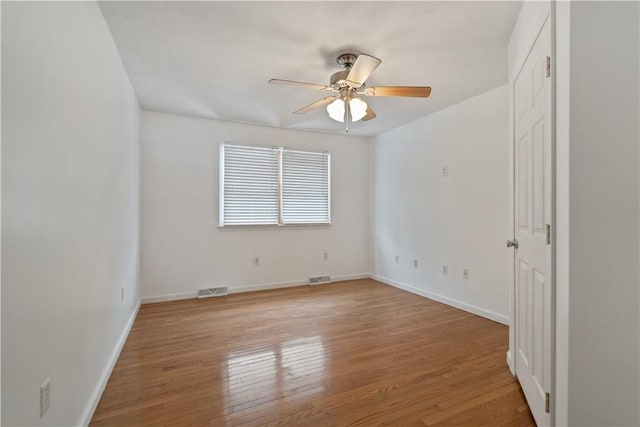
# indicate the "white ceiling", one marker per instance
pixel 213 59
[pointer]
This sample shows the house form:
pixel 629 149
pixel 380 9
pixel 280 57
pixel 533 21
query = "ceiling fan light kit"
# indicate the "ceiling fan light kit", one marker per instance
pixel 346 106
pixel 336 110
pixel 357 109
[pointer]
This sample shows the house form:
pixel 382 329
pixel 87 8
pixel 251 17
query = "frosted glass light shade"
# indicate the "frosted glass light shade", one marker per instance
pixel 358 109
pixel 336 110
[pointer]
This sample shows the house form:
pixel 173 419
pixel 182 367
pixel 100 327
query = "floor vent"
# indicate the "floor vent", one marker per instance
pixel 318 280
pixel 212 292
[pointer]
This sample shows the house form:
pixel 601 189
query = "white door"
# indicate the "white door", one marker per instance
pixel 533 214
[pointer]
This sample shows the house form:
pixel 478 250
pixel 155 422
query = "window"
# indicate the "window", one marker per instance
pixel 273 185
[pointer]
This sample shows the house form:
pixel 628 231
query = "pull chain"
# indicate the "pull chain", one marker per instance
pixel 347 112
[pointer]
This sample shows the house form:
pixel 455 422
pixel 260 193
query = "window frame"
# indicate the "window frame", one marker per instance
pixel 280 223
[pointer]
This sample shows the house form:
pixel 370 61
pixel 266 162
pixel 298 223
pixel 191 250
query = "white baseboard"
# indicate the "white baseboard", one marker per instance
pixel 106 373
pixel 265 286
pixel 491 315
pixel 510 363
pixel 252 288
pixel 346 277
pixel 170 297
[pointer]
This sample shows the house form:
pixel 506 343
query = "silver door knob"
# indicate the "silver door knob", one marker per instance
pixel 513 243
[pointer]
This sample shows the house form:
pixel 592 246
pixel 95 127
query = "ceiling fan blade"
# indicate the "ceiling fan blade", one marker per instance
pixel 362 69
pixel 300 84
pixel 415 91
pixel 370 115
pixel 319 103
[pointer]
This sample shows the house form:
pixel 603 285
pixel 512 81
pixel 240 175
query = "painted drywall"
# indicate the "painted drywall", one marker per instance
pixel 561 69
pixel 0 244
pixel 200 49
pixel 184 249
pixel 604 207
pixel 70 208
pixel 459 220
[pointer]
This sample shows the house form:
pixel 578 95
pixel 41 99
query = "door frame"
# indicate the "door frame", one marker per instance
pixel 511 359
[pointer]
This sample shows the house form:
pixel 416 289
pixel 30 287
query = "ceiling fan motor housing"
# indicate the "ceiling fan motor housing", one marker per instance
pixel 347 59
pixel 338 80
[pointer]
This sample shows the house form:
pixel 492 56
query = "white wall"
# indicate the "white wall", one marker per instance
pixel 561 68
pixel 184 249
pixel 604 208
pixel 0 245
pixel 460 220
pixel 70 198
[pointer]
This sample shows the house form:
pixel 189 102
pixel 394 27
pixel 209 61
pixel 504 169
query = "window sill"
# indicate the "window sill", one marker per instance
pixel 272 226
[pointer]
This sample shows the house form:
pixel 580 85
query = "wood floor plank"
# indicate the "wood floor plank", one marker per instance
pixel 349 353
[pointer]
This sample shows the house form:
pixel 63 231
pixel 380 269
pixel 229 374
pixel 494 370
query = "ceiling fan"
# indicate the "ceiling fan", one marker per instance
pixel 349 86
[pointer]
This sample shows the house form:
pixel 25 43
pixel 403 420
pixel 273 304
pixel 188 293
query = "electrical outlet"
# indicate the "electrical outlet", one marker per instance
pixel 445 270
pixel 256 260
pixel 326 256
pixel 445 171
pixel 122 294
pixel 397 259
pixel 415 263
pixel 465 273
pixel 45 397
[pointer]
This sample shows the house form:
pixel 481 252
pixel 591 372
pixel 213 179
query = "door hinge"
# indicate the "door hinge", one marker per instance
pixel 548 232
pixel 547 403
pixel 548 66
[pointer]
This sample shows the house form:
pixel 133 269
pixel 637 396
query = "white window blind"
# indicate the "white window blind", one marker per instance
pixel 305 187
pixel 265 185
pixel 249 185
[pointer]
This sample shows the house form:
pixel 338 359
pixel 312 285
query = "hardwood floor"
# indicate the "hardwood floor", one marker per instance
pixel 349 353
